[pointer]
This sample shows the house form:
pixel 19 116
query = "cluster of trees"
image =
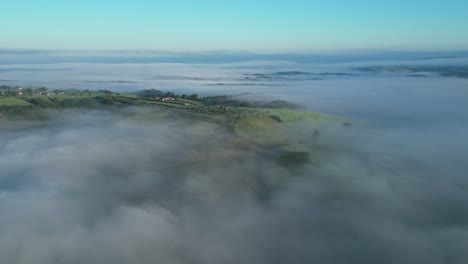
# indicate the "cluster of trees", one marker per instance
pixel 154 93
pixel 14 91
pixel 219 103
pixel 210 109
pixel 72 102
pixel 6 90
pixel 226 100
pixel 222 100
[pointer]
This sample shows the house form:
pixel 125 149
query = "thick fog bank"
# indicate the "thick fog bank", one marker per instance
pixel 99 187
pixel 139 187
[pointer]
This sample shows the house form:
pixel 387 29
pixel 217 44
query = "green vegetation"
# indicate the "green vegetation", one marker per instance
pixel 227 100
pixel 288 115
pixel 261 129
pixel 190 102
pixel 245 117
pixel 13 101
pixel 239 114
pixel 262 124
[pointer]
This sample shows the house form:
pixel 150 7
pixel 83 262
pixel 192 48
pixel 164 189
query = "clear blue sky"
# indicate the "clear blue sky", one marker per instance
pixel 256 25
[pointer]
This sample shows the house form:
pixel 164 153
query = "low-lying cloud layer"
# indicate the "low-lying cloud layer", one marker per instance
pixel 97 187
pixel 132 187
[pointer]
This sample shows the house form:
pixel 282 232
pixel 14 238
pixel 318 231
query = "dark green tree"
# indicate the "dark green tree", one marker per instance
pixel 27 91
pixel 41 90
pixel 107 94
pixel 193 97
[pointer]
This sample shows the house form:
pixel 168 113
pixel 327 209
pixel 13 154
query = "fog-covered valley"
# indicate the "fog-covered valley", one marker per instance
pixel 137 186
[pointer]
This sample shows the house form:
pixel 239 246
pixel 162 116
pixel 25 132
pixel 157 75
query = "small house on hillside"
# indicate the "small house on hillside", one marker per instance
pixel 168 99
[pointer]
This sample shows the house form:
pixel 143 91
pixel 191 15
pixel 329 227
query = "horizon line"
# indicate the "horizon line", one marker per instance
pixel 232 51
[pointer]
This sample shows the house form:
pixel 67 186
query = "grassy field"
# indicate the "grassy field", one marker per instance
pixel 59 96
pixel 254 122
pixel 129 95
pixel 190 102
pixel 288 115
pixel 13 101
pixel 164 104
pixel 261 129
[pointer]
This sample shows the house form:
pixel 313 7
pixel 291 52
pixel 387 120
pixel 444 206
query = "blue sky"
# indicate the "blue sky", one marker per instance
pixel 255 25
